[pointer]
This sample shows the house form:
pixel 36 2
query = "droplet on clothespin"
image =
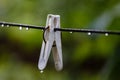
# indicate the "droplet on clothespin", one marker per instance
pixel 41 71
pixel 2 25
pixel 27 28
pixel 20 28
pixel 89 33
pixel 106 34
pixel 71 32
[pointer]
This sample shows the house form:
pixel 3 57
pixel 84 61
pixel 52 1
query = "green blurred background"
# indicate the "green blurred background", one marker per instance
pixel 94 57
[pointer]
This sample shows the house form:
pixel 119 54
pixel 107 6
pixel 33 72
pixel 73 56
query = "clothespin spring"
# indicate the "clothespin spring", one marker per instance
pixel 47 28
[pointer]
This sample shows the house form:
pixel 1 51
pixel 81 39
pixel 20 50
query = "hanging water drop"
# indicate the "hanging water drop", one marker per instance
pixel 41 71
pixel 106 34
pixel 2 25
pixel 89 33
pixel 7 26
pixel 27 28
pixel 71 32
pixel 20 28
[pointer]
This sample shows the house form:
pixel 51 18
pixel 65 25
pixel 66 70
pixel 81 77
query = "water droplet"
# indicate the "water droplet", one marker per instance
pixel 71 32
pixel 41 71
pixel 27 28
pixel 106 34
pixel 7 25
pixel 89 33
pixel 20 28
pixel 2 25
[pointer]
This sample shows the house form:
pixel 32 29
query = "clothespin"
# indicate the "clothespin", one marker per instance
pixel 52 41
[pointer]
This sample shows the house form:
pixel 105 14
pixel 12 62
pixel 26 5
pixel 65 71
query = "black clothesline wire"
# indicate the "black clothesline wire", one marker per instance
pixel 61 29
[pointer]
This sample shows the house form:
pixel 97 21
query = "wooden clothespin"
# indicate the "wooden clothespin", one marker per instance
pixel 52 40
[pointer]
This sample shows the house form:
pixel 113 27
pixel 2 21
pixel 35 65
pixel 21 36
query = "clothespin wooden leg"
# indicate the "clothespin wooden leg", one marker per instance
pixel 46 46
pixel 57 50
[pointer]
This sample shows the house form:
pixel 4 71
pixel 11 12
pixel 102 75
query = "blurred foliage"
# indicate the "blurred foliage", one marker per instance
pixel 94 57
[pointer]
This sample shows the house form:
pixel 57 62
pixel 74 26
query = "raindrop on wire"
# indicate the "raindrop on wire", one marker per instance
pixel 71 32
pixel 89 33
pixel 106 34
pixel 27 28
pixel 2 25
pixel 20 28
pixel 7 26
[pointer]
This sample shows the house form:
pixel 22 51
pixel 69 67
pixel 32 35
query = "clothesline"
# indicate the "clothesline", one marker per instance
pixel 89 31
